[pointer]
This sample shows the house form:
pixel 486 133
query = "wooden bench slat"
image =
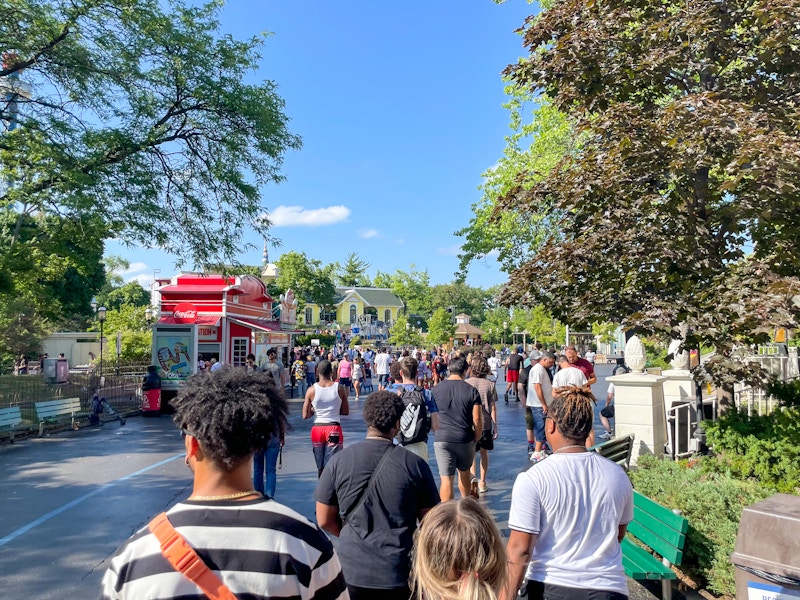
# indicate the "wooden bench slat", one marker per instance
pixel 659 513
pixel 10 417
pixel 663 547
pixel 637 562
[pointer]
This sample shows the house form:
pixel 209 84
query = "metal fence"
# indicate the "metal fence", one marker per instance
pixel 122 391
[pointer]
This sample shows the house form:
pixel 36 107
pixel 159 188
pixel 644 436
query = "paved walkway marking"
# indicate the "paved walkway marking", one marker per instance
pixel 55 512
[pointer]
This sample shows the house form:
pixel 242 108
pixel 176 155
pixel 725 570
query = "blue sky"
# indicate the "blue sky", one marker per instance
pixel 399 105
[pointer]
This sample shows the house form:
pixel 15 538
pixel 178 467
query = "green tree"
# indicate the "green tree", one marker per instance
pixel 400 335
pixel 461 298
pixel 413 288
pixel 131 293
pixel 53 269
pixel 532 150
pixel 679 204
pixel 308 278
pixel 440 327
pixel 353 272
pixel 139 119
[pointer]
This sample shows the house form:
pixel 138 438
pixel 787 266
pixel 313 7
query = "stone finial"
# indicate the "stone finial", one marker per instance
pixel 680 357
pixel 635 355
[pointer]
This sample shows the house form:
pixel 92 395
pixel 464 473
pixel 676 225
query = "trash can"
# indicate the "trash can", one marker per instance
pixel 151 392
pixel 767 554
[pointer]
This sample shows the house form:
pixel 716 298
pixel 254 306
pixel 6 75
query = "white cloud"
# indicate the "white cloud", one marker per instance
pixel 133 269
pixel 297 216
pixel 144 279
pixel 453 250
pixel 366 234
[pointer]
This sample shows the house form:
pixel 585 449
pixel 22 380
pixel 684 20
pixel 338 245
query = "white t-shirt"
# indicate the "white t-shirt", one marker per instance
pixel 494 364
pixel 382 361
pixel 575 504
pixel 569 376
pixel 589 356
pixel 539 375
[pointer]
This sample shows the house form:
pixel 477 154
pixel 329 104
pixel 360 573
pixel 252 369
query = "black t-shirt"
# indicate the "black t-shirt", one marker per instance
pixel 514 362
pixel 455 399
pixel 388 516
pixel 524 373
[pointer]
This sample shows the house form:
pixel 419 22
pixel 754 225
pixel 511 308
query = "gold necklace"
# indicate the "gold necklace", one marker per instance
pixel 566 447
pixel 377 437
pixel 226 496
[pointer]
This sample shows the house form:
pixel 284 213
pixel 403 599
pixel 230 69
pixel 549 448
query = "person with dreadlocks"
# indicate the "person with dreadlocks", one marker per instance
pixel 251 545
pixel 569 513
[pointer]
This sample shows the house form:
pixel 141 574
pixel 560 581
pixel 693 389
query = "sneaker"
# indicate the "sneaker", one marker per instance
pixel 530 451
pixel 482 487
pixel 473 488
pixel 537 456
pixel 606 435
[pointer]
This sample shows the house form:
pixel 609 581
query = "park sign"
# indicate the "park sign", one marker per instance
pixel 185 312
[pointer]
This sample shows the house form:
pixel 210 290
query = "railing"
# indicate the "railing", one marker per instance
pixel 123 392
pixel 754 400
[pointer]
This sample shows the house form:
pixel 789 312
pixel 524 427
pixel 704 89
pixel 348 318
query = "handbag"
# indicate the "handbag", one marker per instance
pixel 185 559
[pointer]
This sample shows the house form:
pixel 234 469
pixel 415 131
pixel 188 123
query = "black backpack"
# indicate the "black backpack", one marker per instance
pixel 414 425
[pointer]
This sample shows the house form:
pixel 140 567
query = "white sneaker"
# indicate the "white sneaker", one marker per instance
pixel 606 435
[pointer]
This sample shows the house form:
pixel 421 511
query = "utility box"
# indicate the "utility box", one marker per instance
pixel 767 555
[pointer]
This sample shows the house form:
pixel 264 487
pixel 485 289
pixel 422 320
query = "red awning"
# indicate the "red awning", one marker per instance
pixel 258 324
pixel 201 320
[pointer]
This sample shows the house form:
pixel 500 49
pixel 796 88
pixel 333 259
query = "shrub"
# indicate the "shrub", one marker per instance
pixel 764 448
pixel 326 341
pixel 712 502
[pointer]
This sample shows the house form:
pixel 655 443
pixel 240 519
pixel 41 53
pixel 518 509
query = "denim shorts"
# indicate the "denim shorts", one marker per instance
pixel 538 423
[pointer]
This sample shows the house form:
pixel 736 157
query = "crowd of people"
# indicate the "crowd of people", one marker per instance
pixel 399 534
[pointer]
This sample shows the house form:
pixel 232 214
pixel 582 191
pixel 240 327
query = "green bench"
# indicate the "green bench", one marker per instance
pixel 618 450
pixel 10 418
pixel 662 530
pixel 57 411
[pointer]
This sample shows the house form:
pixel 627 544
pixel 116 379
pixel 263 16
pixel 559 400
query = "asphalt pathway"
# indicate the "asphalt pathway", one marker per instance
pixel 69 500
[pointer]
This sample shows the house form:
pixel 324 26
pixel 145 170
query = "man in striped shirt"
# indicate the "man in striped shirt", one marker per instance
pixel 257 547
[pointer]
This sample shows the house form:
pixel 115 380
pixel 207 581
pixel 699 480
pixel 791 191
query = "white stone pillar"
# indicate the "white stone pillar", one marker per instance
pixel 639 401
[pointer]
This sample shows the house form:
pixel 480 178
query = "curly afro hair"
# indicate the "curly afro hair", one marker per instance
pixel 382 410
pixel 231 413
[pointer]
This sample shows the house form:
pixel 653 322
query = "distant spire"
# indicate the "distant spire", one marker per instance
pixel 265 256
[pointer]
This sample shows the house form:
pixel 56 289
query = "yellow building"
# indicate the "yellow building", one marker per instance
pixel 367 308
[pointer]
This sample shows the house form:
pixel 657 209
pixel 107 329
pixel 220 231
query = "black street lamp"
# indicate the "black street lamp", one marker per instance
pixel 505 326
pixel 101 316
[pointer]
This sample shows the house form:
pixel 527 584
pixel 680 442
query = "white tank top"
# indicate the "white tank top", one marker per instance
pixel 326 403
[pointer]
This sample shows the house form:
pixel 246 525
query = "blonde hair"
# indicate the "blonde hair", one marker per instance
pixel 458 554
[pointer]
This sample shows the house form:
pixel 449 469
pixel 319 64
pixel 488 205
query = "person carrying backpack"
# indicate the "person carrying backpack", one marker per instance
pixel 299 372
pixel 420 414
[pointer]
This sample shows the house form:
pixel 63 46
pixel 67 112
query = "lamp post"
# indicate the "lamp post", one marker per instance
pixel 101 316
pixel 148 315
pixel 505 326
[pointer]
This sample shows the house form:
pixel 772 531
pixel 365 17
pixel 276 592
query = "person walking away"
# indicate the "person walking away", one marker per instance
pixel 458 554
pixel 421 413
pixel 345 372
pixel 569 514
pixel 311 370
pixel 325 401
pixel 489 431
pixel 382 361
pixel 540 394
pixel 513 364
pixel 358 375
pixel 459 428
pixel 265 462
pixel 371 495
pixel 256 547
pixel 494 365
pixel 522 394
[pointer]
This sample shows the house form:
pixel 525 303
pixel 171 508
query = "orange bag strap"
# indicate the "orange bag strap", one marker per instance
pixel 184 559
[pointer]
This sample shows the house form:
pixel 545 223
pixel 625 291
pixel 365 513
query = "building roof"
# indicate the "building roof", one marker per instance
pixel 467 330
pixel 372 296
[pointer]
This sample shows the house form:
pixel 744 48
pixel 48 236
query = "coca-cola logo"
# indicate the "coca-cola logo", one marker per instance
pixel 184 313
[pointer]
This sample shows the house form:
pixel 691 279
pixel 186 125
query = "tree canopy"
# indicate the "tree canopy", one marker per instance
pixel 678 203
pixel 134 116
pixel 353 272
